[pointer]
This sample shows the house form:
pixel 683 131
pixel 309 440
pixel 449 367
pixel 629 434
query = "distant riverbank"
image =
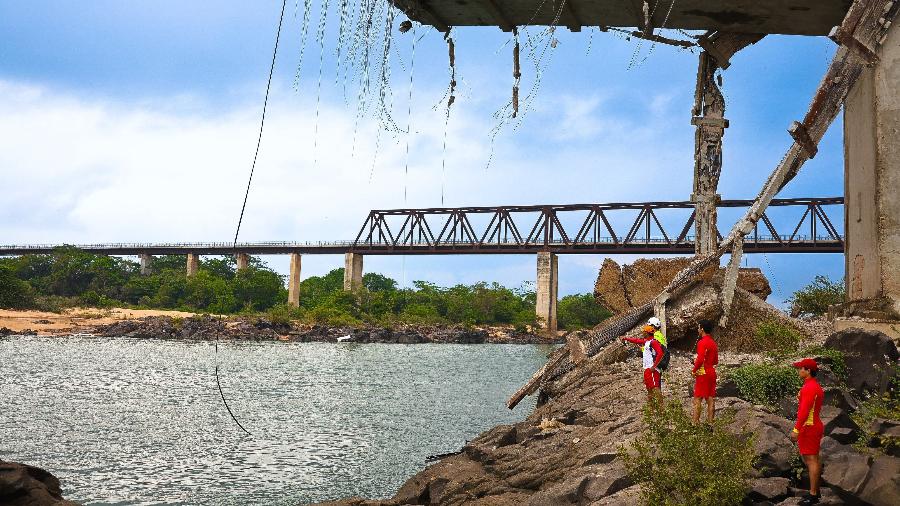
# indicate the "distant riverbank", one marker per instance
pixel 154 324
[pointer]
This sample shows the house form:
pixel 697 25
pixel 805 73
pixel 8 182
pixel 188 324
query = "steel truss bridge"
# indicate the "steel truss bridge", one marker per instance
pixel 562 229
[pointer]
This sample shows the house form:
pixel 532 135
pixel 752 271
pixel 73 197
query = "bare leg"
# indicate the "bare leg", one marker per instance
pixel 814 464
pixel 710 409
pixel 697 407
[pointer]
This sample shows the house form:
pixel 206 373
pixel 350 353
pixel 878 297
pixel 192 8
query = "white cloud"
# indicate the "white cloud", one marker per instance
pixel 82 170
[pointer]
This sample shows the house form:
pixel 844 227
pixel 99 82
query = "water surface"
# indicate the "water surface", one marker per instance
pixel 123 421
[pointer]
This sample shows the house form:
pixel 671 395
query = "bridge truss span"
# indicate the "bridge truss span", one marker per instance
pixel 639 228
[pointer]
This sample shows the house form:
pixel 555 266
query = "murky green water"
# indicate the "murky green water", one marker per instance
pixel 140 422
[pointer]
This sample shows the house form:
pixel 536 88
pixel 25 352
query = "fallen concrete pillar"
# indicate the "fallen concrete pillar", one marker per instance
pixel 872 179
pixel 353 271
pixel 193 264
pixel 146 264
pixel 242 260
pixel 294 281
pixel 547 287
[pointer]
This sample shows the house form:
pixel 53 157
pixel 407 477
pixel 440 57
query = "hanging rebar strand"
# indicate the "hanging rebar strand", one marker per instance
pixel 304 32
pixel 451 54
pixel 708 115
pixel 385 95
pixel 412 67
pixel 366 19
pixel 320 36
pixel 517 74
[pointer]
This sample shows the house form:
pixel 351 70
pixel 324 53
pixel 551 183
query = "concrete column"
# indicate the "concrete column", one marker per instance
pixel 709 118
pixel 193 264
pixel 353 271
pixel 146 264
pixel 547 287
pixel 242 260
pixel 872 178
pixel 294 281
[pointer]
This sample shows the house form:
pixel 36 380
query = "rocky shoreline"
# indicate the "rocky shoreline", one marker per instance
pixel 205 327
pixel 24 485
pixel 566 452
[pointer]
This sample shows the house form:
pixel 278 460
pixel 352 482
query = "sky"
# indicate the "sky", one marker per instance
pixel 137 122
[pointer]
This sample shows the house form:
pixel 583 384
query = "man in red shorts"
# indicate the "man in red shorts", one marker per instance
pixel 705 372
pixel 652 355
pixel 808 430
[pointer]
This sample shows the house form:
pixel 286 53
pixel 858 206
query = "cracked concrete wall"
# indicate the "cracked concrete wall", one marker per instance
pixel 872 179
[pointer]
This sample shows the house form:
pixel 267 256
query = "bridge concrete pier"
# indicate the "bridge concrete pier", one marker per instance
pixel 193 264
pixel 353 271
pixel 294 281
pixel 242 260
pixel 547 288
pixel 872 179
pixel 146 264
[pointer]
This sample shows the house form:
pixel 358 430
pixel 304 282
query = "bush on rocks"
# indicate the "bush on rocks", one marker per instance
pixel 777 338
pixel 676 462
pixel 765 383
pixel 815 298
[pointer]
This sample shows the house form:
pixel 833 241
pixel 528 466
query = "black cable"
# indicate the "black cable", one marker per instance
pixel 247 194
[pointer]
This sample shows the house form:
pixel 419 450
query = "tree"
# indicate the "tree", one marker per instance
pixel 14 293
pixel 579 312
pixel 814 298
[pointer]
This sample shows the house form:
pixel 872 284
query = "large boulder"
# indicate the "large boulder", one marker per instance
pixel 860 477
pixel 24 485
pixel 870 356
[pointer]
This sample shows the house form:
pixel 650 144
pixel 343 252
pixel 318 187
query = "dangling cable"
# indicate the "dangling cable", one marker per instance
pixel 451 53
pixel 262 123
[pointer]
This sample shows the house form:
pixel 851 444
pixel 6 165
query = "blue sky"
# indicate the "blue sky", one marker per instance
pixel 136 121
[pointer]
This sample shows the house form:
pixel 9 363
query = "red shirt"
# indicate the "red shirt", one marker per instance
pixel 810 404
pixel 707 354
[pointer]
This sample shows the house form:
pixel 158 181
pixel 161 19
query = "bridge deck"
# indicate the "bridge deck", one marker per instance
pixel 794 17
pixel 616 228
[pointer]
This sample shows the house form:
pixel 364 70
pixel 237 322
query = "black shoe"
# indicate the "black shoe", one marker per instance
pixel 809 499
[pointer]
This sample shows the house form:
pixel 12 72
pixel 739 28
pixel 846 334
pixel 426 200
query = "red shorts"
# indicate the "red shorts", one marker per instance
pixel 809 439
pixel 651 378
pixel 705 386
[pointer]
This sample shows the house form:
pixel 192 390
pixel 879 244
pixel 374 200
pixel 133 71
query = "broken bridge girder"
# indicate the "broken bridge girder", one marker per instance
pixel 867 21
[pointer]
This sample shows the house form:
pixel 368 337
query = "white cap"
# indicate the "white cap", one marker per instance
pixel 654 321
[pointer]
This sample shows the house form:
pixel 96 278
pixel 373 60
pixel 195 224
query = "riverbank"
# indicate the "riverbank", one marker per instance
pixel 157 324
pixel 568 450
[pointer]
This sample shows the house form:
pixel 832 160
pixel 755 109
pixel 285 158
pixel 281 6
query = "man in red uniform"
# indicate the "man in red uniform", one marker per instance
pixel 808 430
pixel 652 355
pixel 705 372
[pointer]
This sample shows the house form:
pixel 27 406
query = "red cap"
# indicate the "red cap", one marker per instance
pixel 808 364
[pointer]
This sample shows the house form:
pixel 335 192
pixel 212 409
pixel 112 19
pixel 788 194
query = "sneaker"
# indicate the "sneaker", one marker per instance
pixel 808 499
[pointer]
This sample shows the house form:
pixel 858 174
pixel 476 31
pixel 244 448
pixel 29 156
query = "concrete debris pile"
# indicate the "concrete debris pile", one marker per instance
pixel 622 288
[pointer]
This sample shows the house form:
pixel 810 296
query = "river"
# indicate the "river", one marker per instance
pixel 123 421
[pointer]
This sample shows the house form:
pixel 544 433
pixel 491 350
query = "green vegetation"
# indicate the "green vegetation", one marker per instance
pixel 886 406
pixel 776 338
pixel 765 383
pixel 70 277
pixel 815 298
pixel 834 358
pixel 678 463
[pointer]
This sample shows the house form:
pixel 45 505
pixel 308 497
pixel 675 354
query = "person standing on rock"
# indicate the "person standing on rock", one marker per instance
pixel 704 372
pixel 808 430
pixel 652 356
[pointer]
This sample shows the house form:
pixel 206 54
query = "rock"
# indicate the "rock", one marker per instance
pixel 886 435
pixel 773 446
pixel 834 418
pixel 844 435
pixel 4 331
pixel 882 485
pixel 625 497
pixel 844 469
pixel 24 485
pixel 869 355
pixel 768 489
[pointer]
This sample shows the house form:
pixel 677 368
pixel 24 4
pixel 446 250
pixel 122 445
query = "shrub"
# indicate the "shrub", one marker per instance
pixel 835 359
pixel 678 463
pixel 815 297
pixel 885 406
pixel 765 383
pixel 282 314
pixel 777 338
pixel 14 293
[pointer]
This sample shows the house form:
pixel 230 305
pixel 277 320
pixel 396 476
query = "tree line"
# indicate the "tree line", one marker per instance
pixel 71 277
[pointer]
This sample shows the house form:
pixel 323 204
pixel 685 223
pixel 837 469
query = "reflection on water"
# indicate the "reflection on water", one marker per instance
pixel 140 422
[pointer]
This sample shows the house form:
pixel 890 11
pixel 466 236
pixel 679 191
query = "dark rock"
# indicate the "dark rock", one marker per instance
pixel 24 485
pixel 844 469
pixel 885 435
pixel 768 489
pixel 844 435
pixel 840 398
pixel 833 418
pixel 6 332
pixel 773 446
pixel 882 486
pixel 869 355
